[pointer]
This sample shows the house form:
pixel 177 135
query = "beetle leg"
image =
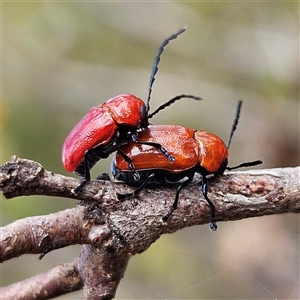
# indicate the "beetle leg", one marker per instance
pixel 213 226
pixel 174 205
pixel 170 157
pixel 135 174
pixel 87 174
pixel 136 191
pixel 80 186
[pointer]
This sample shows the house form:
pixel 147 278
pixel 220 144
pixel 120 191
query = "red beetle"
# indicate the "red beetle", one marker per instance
pixel 110 125
pixel 196 151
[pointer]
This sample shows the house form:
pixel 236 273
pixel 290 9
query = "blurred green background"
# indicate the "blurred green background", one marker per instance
pixel 61 58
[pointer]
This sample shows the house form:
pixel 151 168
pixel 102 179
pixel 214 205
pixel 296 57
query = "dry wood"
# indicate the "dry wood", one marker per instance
pixel 112 231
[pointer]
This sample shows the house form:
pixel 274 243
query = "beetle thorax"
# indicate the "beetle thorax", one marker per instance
pixel 213 151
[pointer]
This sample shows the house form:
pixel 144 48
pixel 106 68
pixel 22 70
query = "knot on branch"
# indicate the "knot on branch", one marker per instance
pixel 20 175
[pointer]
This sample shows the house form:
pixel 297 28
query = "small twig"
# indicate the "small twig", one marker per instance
pixel 58 281
pixel 41 234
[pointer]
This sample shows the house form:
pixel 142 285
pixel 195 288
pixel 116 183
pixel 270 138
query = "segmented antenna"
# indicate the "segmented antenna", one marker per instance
pixel 171 102
pixel 235 122
pixel 245 164
pixel 157 60
pixel 233 128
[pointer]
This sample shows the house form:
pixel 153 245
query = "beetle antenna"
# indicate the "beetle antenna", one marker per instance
pixel 245 164
pixel 157 59
pixel 168 103
pixel 233 128
pixel 235 122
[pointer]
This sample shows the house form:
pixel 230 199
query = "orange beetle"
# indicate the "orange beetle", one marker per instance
pixel 196 151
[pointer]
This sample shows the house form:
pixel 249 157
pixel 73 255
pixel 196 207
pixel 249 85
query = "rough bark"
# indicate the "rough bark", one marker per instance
pixel 60 280
pixel 113 230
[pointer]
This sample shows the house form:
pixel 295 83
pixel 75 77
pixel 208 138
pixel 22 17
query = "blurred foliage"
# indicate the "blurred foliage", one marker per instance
pixel 61 58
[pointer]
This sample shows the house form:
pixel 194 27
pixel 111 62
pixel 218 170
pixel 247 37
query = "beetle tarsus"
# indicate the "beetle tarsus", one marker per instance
pixel 136 175
pixel 79 187
pixel 122 197
pixel 213 226
pixel 166 217
pixel 171 158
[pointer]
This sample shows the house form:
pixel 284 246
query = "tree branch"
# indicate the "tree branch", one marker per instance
pixel 58 281
pixel 113 230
